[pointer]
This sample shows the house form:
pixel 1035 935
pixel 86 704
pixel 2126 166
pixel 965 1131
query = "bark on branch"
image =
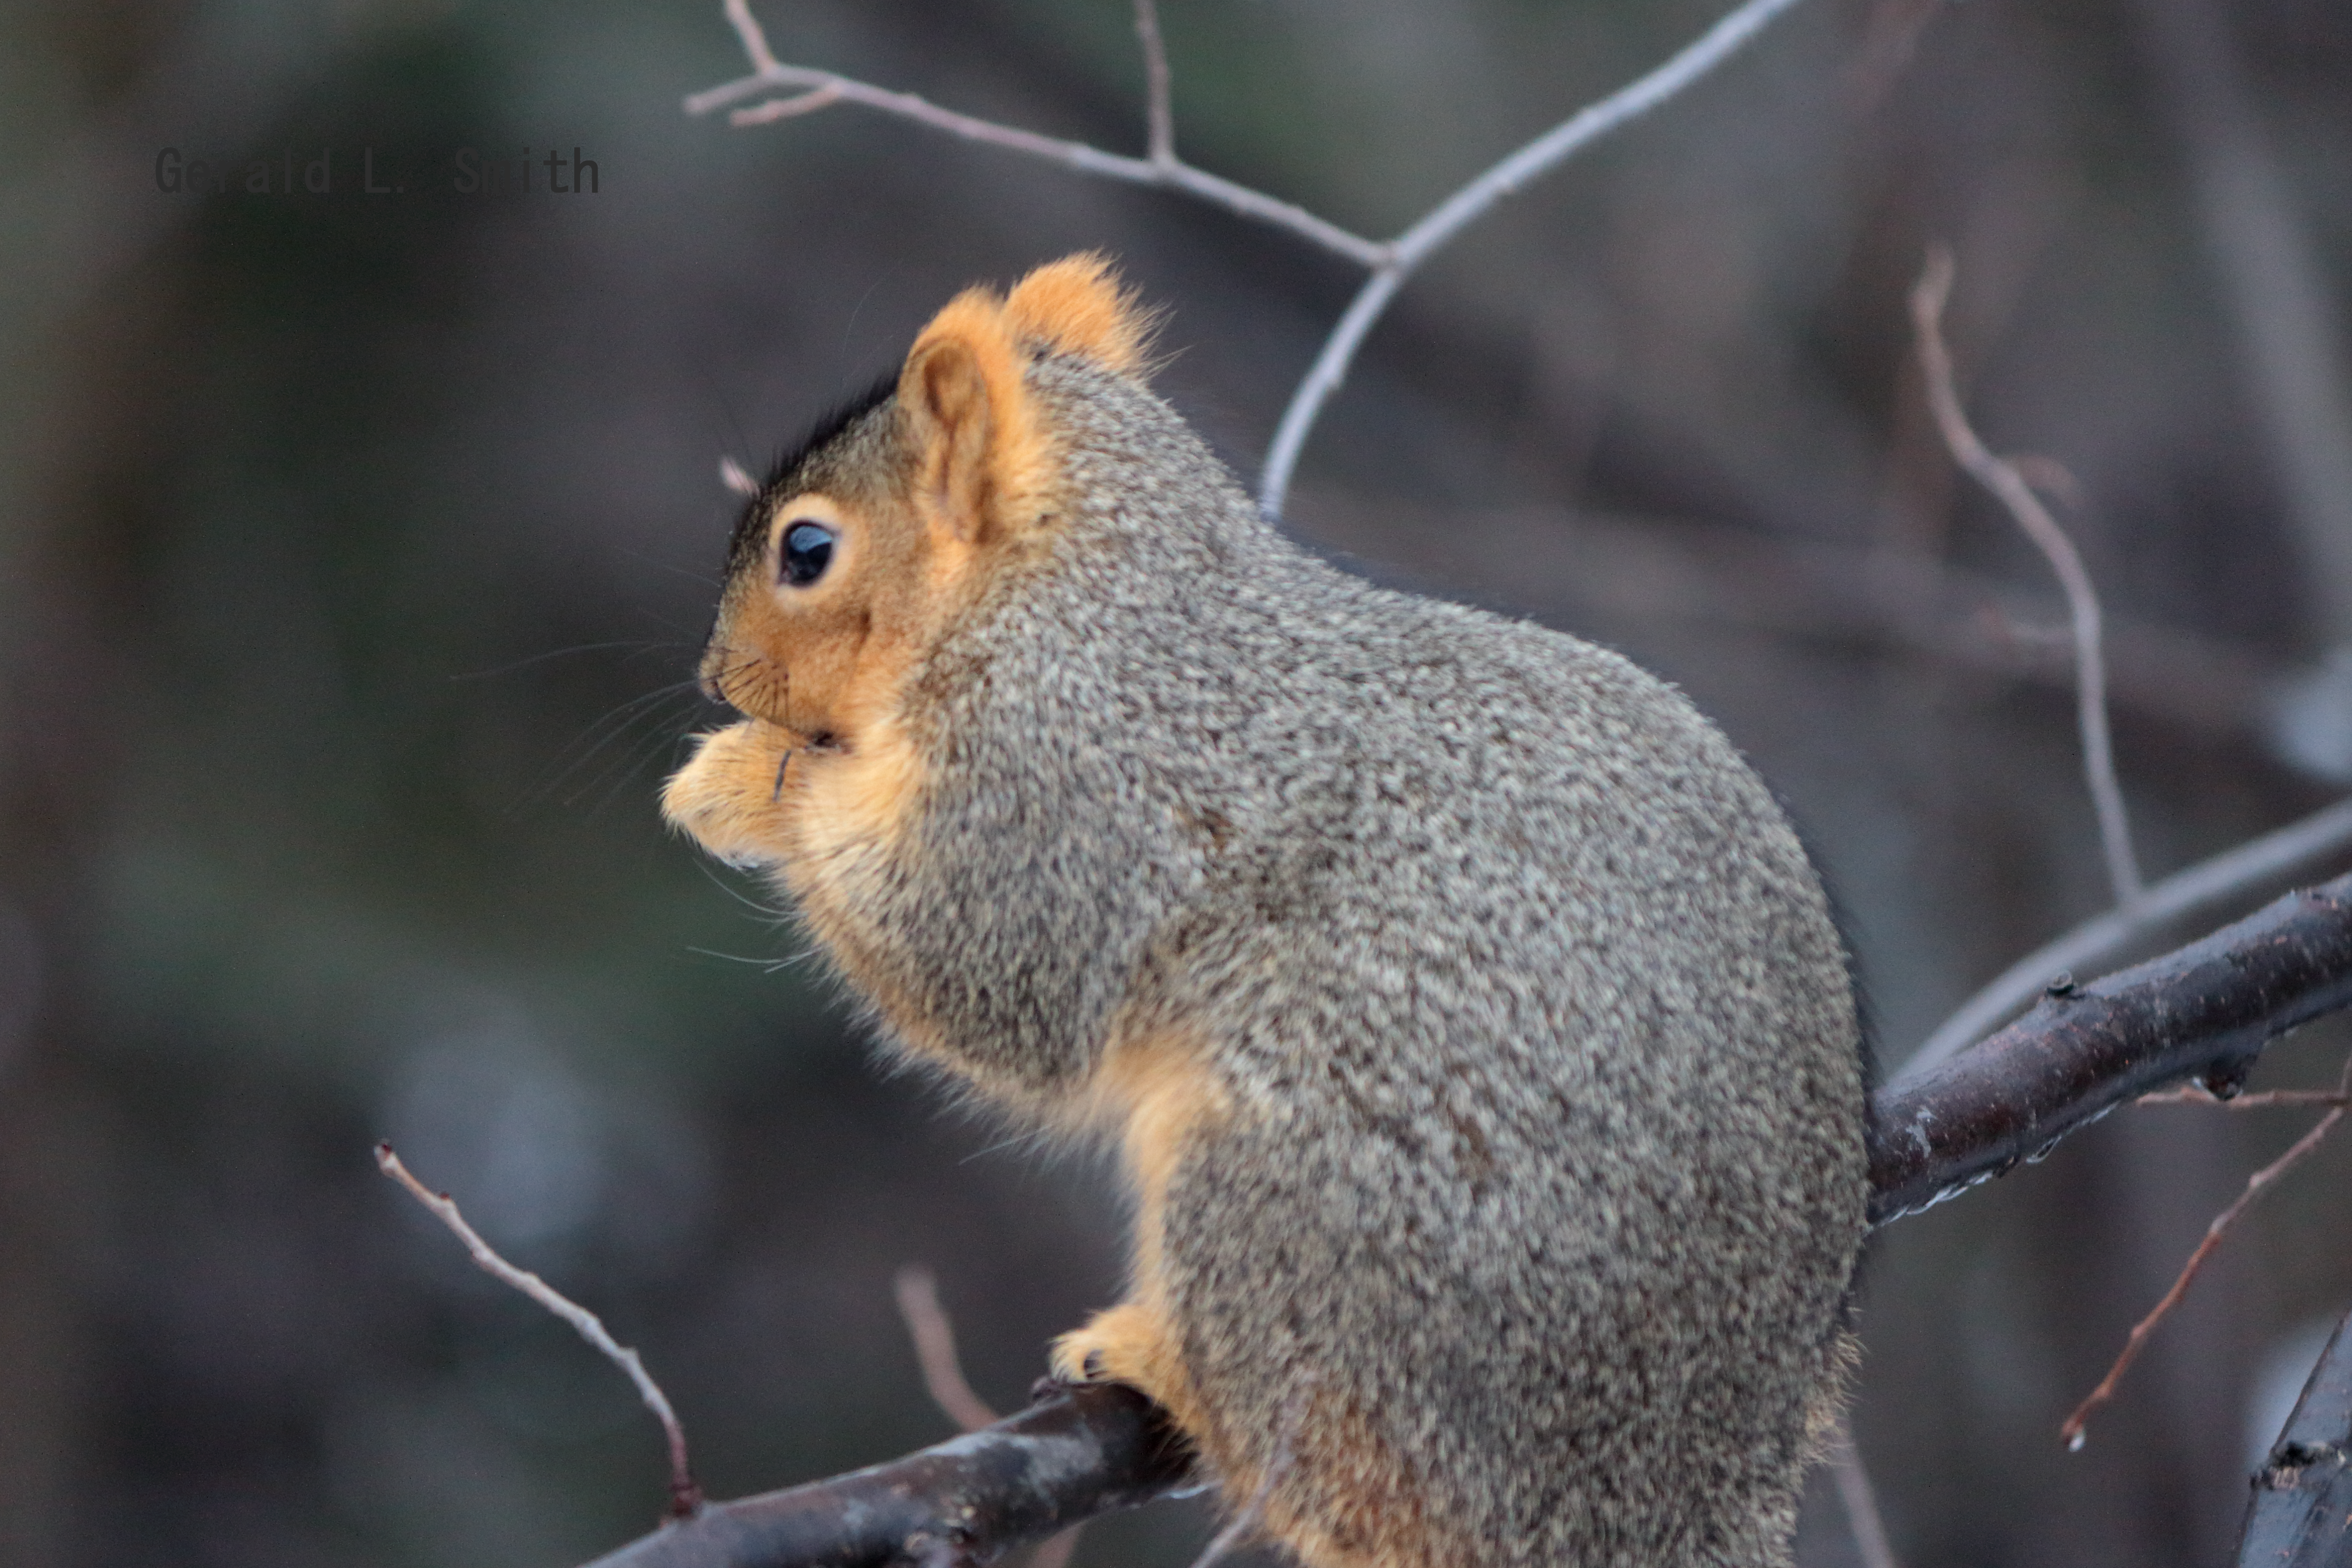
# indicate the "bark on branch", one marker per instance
pixel 1074 1454
pixel 2205 1011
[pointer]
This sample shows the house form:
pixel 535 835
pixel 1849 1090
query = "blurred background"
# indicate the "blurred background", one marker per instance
pixel 354 549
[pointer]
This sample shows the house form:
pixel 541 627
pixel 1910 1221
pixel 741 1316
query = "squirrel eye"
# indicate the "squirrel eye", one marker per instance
pixel 808 551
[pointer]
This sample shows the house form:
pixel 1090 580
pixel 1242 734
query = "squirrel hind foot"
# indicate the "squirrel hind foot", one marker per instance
pixel 1129 1343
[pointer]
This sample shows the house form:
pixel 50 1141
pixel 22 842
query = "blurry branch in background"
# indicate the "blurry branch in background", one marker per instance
pixel 2285 853
pixel 935 1349
pixel 934 1335
pixel 1656 571
pixel 2273 282
pixel 685 1496
pixel 2002 477
pixel 1859 1499
pixel 2207 1010
pixel 2256 1184
pixel 1390 262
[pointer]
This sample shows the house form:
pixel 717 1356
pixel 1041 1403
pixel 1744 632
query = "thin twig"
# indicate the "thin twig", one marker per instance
pixel 935 1348
pixel 2256 1184
pixel 1159 114
pixel 1455 214
pixel 2002 478
pixel 1860 1499
pixel 685 1495
pixel 2285 852
pixel 777 108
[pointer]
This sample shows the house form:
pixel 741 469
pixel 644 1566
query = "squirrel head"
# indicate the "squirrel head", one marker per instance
pixel 851 562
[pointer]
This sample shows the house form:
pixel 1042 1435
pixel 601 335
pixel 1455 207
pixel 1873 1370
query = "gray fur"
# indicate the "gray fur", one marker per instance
pixel 1551 1163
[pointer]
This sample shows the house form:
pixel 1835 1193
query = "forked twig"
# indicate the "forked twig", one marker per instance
pixel 807 89
pixel 685 1494
pixel 2002 478
pixel 2256 1184
pixel 1390 263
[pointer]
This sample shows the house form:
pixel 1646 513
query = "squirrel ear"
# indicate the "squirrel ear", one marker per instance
pixel 978 453
pixel 948 396
pixel 1077 306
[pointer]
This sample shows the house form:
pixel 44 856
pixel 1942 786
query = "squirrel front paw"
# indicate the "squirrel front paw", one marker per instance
pixel 1129 1343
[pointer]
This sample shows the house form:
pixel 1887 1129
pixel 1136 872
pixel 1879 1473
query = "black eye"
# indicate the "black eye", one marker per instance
pixel 808 551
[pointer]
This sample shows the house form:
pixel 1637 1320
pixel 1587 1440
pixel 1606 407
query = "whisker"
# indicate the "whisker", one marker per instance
pixel 628 719
pixel 636 647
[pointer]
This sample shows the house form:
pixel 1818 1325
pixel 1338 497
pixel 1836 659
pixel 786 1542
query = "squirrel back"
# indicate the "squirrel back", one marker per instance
pixel 1472 1025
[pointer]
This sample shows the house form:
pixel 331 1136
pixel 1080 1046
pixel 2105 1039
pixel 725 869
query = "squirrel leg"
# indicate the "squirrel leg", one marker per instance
pixel 1133 1342
pixel 1162 1096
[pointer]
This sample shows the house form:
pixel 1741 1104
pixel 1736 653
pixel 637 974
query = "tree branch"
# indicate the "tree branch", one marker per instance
pixel 808 89
pixel 2204 1011
pixel 1075 1453
pixel 2256 1184
pixel 1160 113
pixel 685 1496
pixel 1390 264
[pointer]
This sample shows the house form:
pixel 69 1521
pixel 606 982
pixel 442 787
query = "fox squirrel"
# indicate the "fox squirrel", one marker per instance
pixel 1472 1026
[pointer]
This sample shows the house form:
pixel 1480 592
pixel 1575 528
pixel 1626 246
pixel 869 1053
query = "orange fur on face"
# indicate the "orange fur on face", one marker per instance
pixel 818 668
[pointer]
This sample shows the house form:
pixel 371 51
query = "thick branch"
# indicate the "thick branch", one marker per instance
pixel 1075 1453
pixel 2205 1011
